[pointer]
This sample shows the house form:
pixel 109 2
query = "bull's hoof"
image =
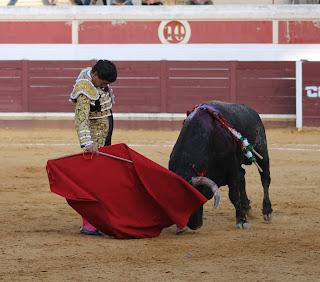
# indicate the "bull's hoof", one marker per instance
pixel 267 217
pixel 243 225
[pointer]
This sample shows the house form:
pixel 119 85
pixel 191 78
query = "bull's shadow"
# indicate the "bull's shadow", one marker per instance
pixel 215 140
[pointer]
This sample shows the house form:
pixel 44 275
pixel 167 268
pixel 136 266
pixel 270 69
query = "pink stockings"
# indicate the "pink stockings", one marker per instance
pixel 87 226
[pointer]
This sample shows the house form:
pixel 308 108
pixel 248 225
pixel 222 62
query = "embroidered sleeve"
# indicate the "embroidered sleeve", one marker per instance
pixel 86 88
pixel 82 120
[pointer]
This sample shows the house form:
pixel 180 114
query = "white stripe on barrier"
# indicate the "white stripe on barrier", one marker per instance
pixel 158 52
pixel 278 147
pixel 295 149
pixel 124 116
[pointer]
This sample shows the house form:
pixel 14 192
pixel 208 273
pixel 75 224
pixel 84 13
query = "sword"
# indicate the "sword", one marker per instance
pixel 114 157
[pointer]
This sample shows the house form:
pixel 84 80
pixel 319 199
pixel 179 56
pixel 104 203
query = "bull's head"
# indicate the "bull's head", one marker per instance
pixel 190 158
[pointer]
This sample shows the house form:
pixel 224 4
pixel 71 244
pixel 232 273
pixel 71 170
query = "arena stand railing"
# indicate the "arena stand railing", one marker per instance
pixel 31 3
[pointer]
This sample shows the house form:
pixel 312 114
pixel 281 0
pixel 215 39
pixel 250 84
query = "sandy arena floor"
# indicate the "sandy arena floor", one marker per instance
pixel 40 238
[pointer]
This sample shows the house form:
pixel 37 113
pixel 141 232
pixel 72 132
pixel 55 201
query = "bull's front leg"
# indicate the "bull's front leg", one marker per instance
pixel 235 198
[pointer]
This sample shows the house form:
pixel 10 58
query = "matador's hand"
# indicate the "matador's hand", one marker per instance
pixel 92 148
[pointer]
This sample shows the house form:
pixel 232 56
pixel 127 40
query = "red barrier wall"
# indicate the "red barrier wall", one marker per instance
pixel 152 87
pixel 156 31
pixel 199 32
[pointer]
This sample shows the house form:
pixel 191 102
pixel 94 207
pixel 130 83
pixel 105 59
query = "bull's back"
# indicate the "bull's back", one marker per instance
pixel 246 121
pixel 243 118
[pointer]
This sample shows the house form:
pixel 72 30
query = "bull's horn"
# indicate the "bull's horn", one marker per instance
pixel 205 181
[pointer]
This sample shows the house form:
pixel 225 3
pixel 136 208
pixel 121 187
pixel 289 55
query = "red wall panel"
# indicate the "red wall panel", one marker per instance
pixel 231 32
pixel 311 94
pixel 299 32
pixel 192 83
pixel 138 87
pixel 118 32
pixel 268 87
pixel 11 86
pixel 35 32
pixel 50 84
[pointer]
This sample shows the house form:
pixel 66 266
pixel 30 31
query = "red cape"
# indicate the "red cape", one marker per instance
pixel 124 200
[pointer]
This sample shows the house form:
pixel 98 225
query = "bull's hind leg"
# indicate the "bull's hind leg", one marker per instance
pixel 262 148
pixel 265 180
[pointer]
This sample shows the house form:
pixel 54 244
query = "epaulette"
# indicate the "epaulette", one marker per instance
pixel 85 87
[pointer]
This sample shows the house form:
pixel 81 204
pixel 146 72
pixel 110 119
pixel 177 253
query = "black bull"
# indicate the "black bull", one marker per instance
pixel 206 147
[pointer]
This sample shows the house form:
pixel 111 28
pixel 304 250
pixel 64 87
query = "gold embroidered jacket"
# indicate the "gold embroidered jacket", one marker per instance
pixel 93 105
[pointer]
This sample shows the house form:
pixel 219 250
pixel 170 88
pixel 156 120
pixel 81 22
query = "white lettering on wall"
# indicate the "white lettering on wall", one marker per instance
pixel 313 91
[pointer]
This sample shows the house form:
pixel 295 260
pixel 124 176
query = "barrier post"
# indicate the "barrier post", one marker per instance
pixel 299 113
pixel 75 31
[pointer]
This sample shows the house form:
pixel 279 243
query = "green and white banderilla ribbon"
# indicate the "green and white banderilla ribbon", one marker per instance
pixel 247 148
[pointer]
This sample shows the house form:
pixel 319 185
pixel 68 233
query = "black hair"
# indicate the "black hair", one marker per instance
pixel 105 70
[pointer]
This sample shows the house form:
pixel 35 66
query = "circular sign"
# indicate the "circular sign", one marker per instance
pixel 174 32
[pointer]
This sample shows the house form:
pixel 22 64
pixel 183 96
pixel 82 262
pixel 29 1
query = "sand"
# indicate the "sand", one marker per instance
pixel 40 238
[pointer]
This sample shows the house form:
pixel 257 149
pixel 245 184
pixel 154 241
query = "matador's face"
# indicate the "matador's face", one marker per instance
pixel 98 82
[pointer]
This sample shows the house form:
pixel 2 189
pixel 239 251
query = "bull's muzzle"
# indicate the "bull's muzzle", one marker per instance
pixel 205 181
